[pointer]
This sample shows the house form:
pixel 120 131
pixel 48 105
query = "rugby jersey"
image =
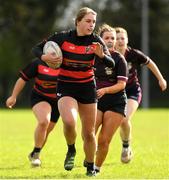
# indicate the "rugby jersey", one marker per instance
pixel 134 58
pixel 45 78
pixel 108 76
pixel 78 55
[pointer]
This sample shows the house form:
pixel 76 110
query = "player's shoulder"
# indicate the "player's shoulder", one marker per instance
pixel 134 51
pixel 69 32
pixel 96 36
pixel 118 55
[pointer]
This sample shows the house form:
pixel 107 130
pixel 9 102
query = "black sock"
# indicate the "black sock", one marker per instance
pixel 90 166
pixel 35 150
pixel 71 148
pixel 125 144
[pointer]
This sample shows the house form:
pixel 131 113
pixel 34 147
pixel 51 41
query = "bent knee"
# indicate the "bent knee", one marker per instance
pixel 125 124
pixel 44 123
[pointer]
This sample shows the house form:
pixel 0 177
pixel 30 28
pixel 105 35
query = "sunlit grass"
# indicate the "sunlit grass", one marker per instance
pixel 150 144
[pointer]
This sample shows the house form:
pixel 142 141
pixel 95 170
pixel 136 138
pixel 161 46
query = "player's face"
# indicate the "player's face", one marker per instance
pixel 110 39
pixel 121 40
pixel 86 25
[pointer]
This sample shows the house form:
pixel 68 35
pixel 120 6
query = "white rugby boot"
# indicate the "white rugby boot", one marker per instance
pixel 35 161
pixel 126 155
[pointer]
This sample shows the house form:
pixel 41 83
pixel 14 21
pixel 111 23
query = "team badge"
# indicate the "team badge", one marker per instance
pixel 108 70
pixel 88 49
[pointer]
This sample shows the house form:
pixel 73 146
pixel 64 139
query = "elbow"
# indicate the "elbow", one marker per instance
pixel 110 61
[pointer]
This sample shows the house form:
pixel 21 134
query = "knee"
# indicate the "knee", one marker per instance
pixel 44 123
pixel 125 123
pixel 89 136
pixel 103 143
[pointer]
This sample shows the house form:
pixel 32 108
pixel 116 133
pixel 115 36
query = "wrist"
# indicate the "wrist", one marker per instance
pixel 106 90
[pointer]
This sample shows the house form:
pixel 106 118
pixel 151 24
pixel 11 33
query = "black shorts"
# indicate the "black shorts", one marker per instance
pixel 36 98
pixel 113 102
pixel 83 92
pixel 134 92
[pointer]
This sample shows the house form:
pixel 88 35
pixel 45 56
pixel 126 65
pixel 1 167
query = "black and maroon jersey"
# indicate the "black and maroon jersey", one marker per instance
pixel 134 58
pixel 108 76
pixel 78 55
pixel 45 78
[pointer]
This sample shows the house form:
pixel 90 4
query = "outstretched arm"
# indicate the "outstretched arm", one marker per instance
pixel 19 85
pixel 162 82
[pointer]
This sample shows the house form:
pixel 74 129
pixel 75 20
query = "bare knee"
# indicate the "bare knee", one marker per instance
pixel 126 124
pixel 43 123
pixel 89 136
pixel 103 143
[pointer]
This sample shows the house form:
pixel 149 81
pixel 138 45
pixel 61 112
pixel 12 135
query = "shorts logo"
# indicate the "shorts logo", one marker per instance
pixel 59 94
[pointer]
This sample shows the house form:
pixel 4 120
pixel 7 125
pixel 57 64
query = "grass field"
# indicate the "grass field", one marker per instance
pixel 150 145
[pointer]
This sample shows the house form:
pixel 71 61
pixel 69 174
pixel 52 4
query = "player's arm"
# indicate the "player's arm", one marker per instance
pixel 119 86
pixel 145 60
pixel 100 49
pixel 122 72
pixel 153 67
pixel 19 85
pixel 37 50
pixel 51 58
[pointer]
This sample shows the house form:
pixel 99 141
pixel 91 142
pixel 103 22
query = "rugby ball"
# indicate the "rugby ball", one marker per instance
pixel 52 47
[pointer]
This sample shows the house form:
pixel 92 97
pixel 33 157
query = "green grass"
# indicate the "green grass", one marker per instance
pixel 150 145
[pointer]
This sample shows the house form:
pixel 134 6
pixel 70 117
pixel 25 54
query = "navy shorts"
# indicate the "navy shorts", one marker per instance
pixel 134 92
pixel 113 102
pixel 84 93
pixel 36 98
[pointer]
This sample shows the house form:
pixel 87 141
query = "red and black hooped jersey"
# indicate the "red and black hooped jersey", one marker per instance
pixel 134 58
pixel 45 77
pixel 108 76
pixel 78 55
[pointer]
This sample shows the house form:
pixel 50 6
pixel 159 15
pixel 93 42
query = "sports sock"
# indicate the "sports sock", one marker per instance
pixel 90 166
pixel 125 144
pixel 71 148
pixel 97 168
pixel 35 150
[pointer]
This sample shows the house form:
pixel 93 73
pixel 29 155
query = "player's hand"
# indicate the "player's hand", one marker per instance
pixel 98 49
pixel 51 58
pixel 101 92
pixel 163 84
pixel 10 102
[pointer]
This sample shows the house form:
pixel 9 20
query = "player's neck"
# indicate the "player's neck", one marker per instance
pixel 122 51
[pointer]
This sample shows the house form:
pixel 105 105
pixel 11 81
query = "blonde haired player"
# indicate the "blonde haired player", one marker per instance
pixel 76 83
pixel 134 59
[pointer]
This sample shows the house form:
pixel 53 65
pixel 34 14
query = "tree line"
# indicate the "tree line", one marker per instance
pixel 24 23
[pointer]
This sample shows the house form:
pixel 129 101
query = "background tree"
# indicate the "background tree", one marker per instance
pixel 24 23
